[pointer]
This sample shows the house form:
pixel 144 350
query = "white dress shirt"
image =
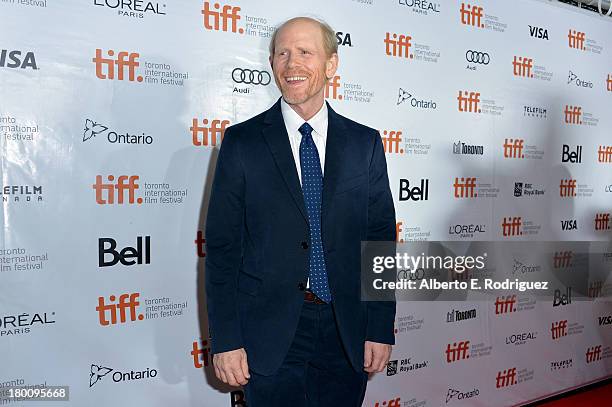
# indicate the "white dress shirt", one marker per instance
pixel 293 122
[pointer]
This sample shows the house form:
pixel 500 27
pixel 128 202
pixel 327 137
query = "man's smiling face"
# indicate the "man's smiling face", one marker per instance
pixel 301 65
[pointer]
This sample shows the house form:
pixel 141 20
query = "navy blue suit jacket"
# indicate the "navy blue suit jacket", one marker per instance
pixel 257 238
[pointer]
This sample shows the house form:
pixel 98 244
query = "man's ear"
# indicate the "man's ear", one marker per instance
pixel 331 66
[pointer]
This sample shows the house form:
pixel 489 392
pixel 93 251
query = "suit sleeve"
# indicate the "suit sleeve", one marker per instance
pixel 381 227
pixel 224 228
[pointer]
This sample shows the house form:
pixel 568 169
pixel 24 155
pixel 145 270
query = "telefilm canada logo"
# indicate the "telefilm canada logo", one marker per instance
pixel 21 194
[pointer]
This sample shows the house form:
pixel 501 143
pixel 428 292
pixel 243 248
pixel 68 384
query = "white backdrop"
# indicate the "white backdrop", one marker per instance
pixel 102 149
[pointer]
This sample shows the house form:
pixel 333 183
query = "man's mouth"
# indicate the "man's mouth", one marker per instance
pixel 292 80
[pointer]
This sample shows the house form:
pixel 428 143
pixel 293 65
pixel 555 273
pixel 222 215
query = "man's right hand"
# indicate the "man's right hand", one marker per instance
pixel 231 367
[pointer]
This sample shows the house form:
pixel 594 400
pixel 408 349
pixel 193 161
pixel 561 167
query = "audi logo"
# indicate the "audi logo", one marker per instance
pixel 251 76
pixel 409 275
pixel 477 57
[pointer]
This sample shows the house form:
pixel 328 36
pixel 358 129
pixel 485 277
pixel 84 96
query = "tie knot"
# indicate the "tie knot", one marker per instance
pixel 305 129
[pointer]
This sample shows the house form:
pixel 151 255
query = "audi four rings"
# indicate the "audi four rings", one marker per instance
pixel 477 57
pixel 251 76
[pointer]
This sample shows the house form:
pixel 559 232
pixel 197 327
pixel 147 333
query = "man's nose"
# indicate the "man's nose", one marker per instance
pixel 291 60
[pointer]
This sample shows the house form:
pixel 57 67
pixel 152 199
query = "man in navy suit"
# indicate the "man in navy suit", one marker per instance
pixel 296 190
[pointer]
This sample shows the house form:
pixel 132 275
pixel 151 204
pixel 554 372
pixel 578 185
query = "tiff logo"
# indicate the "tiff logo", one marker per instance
pixel 505 304
pixel 465 188
pixel 457 351
pixel 602 221
pixel 471 15
pixel 399 46
pixel 398 232
pixel 201 355
pixel 505 378
pixel 331 91
pixel 389 403
pixel 391 141
pixel 199 242
pixel 126 301
pixel 604 154
pixel 513 148
pixel 522 67
pixel 609 83
pixel 124 60
pixel 218 20
pixel 105 192
pixel 593 354
pixel 208 134
pixel 468 101
pixel 559 329
pixel 595 289
pixel 511 226
pixel 576 39
pixel 572 114
pixel 567 188
pixel 563 259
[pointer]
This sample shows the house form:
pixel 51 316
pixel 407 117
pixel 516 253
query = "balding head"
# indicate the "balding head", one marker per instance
pixel 328 35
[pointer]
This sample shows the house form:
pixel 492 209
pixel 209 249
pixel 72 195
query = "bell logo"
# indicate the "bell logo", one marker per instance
pixel 129 301
pixel 522 67
pixel 602 221
pixel 567 188
pixel 200 241
pixel 572 114
pixel 12 59
pixel 201 355
pixel 140 254
pixel 468 101
pixel 218 20
pixel 205 136
pixel 124 59
pixel 331 90
pixel 465 187
pixel 105 192
pixel 559 329
pixel 513 148
pixel 511 226
pixel 573 156
pixel 604 154
pixel 576 39
pixel 593 354
pixel 595 289
pixel 389 403
pixel 471 15
pixel 415 193
pixel 609 83
pixel 505 378
pixel 391 141
pixel 562 299
pixel 398 232
pixel 505 304
pixel 562 259
pixel 398 46
pixel 457 351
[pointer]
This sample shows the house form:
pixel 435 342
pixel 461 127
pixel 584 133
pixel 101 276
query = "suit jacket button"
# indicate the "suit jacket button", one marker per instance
pixel 304 245
pixel 301 286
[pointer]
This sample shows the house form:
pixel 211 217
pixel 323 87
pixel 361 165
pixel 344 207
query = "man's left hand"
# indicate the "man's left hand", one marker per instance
pixel 376 356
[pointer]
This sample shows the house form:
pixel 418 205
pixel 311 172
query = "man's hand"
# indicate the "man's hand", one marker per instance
pixel 231 367
pixel 376 356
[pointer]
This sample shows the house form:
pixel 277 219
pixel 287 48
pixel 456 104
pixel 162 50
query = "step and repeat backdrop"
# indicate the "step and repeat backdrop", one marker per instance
pixel 495 117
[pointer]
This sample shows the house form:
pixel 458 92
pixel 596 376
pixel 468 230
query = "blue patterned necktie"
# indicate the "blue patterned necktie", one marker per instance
pixel 312 187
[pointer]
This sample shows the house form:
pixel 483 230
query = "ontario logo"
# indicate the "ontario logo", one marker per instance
pixel 97 373
pixel 93 129
pixel 407 98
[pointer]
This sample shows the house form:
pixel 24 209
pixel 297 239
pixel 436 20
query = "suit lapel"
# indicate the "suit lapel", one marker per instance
pixel 334 156
pixel 275 134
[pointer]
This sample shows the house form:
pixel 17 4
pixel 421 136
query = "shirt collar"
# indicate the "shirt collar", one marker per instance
pixel 293 120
